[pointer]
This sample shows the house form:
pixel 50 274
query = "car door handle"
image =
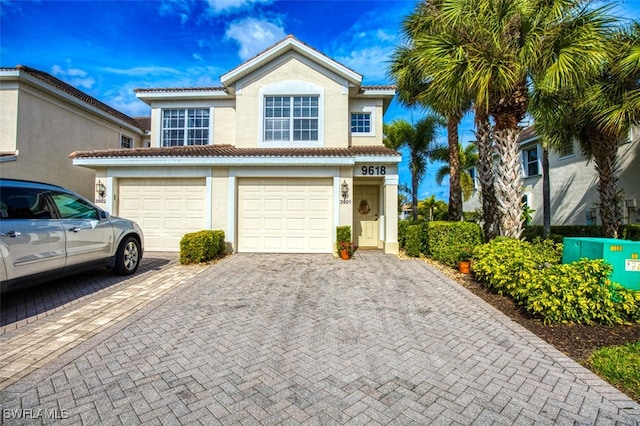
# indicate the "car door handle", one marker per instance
pixel 11 234
pixel 74 229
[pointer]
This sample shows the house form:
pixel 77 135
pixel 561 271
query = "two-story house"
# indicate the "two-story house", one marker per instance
pixel 287 149
pixel 43 119
pixel 574 182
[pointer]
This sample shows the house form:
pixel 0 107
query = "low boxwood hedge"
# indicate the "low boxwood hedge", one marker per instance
pixel 202 246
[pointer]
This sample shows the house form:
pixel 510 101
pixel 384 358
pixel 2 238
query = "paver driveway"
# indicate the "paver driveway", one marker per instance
pixel 289 339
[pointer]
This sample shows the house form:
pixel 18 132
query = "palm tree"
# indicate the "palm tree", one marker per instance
pixel 501 49
pixel 418 140
pixel 598 117
pixel 413 89
pixel 467 159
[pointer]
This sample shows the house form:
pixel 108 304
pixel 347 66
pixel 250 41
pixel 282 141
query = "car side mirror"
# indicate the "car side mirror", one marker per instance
pixel 103 215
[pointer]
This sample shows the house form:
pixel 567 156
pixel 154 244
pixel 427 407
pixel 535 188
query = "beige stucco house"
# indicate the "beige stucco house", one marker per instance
pixel 43 119
pixel 574 180
pixel 287 149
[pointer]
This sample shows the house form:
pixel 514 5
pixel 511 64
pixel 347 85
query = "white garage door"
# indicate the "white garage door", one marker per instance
pixel 165 209
pixel 285 215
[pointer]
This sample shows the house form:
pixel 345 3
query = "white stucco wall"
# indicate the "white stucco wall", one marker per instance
pixel 574 183
pixel 47 129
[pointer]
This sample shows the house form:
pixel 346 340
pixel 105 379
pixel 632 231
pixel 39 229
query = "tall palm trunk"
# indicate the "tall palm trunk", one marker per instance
pixel 415 180
pixel 455 189
pixel 509 182
pixel 605 155
pixel 485 169
pixel 546 195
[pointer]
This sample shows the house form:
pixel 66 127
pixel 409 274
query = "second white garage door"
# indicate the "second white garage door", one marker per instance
pixel 285 215
pixel 165 209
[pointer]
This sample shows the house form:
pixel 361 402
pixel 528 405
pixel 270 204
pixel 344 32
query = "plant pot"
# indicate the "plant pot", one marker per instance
pixel 344 254
pixel 464 266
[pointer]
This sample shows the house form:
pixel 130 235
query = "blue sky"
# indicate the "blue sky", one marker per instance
pixel 109 48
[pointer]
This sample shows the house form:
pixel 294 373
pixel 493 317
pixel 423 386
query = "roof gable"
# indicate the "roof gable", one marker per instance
pixel 290 44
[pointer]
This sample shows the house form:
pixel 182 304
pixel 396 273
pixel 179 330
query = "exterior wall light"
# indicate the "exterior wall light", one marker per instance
pixel 344 190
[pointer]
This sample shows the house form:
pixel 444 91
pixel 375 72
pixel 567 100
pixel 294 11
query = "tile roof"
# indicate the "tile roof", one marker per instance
pixel 144 123
pixel 180 89
pixel 527 133
pixel 70 90
pixel 231 151
pixel 379 87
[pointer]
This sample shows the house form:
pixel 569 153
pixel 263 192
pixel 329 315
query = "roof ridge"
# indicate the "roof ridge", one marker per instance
pixel 59 84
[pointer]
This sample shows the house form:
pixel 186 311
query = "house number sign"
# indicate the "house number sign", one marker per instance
pixel 372 171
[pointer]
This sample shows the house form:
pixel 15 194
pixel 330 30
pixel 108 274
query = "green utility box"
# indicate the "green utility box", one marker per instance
pixel 622 254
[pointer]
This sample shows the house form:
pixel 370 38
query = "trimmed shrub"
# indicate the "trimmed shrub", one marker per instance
pixel 413 240
pixel 201 246
pixel 449 242
pixel 531 274
pixel 402 232
pixel 343 233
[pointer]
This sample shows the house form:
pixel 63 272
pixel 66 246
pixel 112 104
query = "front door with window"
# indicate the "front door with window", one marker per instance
pixel 366 213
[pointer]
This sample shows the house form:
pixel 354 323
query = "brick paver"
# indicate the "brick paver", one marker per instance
pixel 307 339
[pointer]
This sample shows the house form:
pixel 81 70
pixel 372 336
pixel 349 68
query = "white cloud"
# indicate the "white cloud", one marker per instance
pixel 372 62
pixel 74 76
pixel 135 71
pixel 254 35
pixel 221 6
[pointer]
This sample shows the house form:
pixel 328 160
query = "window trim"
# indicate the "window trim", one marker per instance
pixel 186 110
pixel 290 88
pixel 123 136
pixel 525 162
pixel 372 125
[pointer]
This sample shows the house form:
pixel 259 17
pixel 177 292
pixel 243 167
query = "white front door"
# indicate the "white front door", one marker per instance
pixel 366 213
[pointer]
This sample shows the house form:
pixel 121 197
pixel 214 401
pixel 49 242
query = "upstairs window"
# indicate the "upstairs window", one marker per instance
pixel 126 142
pixel 291 118
pixel 360 122
pixel 567 149
pixel 182 127
pixel 531 161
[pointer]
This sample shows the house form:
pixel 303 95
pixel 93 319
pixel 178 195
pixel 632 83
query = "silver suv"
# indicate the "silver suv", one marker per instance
pixel 47 231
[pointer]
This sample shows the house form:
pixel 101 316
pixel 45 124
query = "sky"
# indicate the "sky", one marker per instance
pixel 109 48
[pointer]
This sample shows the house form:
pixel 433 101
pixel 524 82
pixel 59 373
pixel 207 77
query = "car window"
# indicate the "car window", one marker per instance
pixel 24 203
pixel 71 207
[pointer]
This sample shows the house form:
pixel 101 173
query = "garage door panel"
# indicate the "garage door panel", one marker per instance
pixel 286 215
pixel 165 208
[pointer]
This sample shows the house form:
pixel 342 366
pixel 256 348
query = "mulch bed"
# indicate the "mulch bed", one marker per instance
pixel 574 340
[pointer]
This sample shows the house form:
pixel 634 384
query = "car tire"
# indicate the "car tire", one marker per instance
pixel 128 257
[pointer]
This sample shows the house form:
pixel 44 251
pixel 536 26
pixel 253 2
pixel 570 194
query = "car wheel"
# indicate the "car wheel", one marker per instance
pixel 127 257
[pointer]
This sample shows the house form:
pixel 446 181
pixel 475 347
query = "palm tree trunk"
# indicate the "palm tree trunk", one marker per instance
pixel 509 182
pixel 605 155
pixel 546 195
pixel 414 195
pixel 455 190
pixel 485 169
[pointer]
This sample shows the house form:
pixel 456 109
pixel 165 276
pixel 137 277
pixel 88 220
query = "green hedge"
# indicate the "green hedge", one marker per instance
pixel 532 275
pixel 201 246
pixel 413 238
pixel 343 233
pixel 627 232
pixel 449 242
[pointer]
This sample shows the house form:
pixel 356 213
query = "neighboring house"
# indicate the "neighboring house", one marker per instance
pixel 43 120
pixel 574 180
pixel 289 147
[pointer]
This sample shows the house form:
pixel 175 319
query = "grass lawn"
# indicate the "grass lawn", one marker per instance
pixel 620 366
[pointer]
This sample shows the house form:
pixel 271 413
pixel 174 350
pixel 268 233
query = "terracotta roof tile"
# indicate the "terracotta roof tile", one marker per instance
pixel 231 151
pixel 179 89
pixel 144 123
pixel 527 133
pixel 70 90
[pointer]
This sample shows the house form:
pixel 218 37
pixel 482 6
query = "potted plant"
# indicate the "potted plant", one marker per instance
pixel 346 249
pixel 464 259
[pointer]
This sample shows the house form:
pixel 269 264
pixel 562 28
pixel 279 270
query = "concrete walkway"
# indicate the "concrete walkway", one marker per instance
pixel 294 339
